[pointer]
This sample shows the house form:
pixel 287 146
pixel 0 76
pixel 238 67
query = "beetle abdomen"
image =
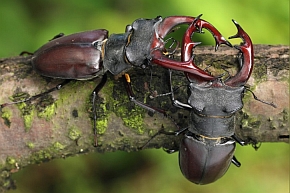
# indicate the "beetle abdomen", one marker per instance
pixel 203 162
pixel 74 56
pixel 68 62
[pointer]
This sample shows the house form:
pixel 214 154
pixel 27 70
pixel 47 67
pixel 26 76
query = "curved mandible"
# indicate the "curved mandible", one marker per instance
pixel 187 45
pixel 196 26
pixel 187 64
pixel 161 30
pixel 247 62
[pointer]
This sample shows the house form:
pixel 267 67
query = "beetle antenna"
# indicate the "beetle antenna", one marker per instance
pixel 265 102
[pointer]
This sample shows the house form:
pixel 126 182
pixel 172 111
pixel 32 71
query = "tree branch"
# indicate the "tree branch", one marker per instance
pixel 60 124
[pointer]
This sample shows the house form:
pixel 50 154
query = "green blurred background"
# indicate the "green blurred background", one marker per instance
pixel 28 24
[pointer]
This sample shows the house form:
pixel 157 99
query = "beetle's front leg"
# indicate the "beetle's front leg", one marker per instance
pixel 57 87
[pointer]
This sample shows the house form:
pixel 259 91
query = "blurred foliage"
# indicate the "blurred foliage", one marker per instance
pixel 28 24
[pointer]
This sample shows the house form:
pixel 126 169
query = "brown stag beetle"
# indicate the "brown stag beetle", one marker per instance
pixel 207 148
pixel 208 143
pixel 87 55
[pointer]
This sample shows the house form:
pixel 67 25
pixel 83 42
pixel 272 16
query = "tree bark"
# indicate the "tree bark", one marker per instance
pixel 60 124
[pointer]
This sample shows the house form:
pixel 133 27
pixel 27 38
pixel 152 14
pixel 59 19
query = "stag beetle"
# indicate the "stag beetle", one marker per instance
pixel 87 55
pixel 208 146
pixel 208 143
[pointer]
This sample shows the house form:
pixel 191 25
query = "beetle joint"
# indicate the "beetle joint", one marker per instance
pixel 218 139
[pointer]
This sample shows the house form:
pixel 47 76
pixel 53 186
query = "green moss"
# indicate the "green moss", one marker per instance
pixel 10 160
pixel 74 133
pixel 260 73
pixel 285 115
pixel 134 120
pixel 28 121
pixel 47 112
pixel 41 156
pixel 30 145
pixel 4 174
pixel 6 115
pixel 102 122
pixel 250 121
pixel 25 109
pixel 274 125
pixel 117 102
pixel 58 146
pixel 47 154
pixel 102 125
pixel 151 132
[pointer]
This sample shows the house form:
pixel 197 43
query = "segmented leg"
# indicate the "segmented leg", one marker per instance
pixel 57 87
pixel 94 96
pixel 139 103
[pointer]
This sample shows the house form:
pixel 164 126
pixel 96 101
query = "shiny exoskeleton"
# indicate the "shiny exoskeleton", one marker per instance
pixel 208 145
pixel 90 54
pixel 207 148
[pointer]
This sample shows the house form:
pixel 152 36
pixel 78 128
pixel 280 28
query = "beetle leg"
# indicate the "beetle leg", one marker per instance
pixel 162 131
pixel 236 162
pixel 237 139
pixel 149 108
pixel 94 95
pixel 57 87
pixel 139 103
pixel 25 52
pixel 246 48
pixel 57 36
pixel 176 102
pixel 156 134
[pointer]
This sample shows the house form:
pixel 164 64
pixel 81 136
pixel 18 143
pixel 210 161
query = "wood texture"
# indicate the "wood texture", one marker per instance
pixel 60 124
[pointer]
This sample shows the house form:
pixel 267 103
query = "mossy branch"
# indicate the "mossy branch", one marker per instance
pixel 60 124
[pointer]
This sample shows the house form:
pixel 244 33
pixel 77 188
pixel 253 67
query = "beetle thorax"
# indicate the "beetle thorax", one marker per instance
pixel 214 109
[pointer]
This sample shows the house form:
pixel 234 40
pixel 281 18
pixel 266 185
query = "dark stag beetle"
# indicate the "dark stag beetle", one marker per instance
pixel 90 54
pixel 207 147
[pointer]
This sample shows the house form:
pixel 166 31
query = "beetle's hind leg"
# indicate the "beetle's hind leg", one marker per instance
pixel 57 87
pixel 94 95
